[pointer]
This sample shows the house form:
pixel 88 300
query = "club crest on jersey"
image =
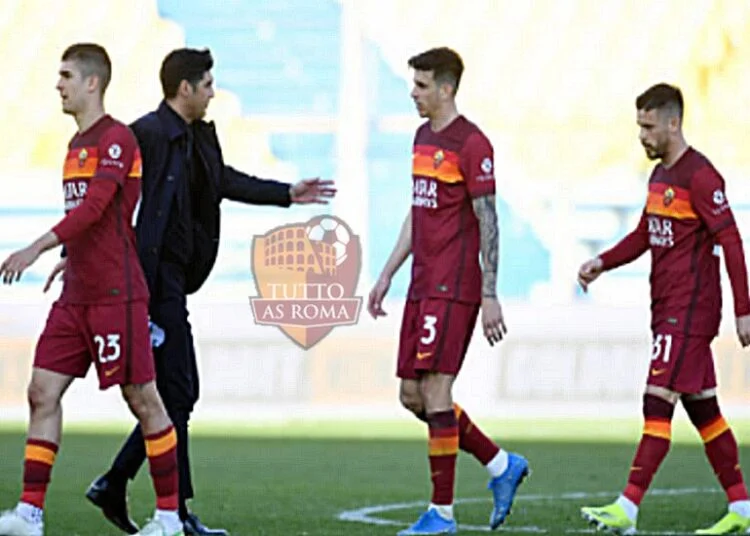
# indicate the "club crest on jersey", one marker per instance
pixel 82 156
pixel 668 197
pixel 438 158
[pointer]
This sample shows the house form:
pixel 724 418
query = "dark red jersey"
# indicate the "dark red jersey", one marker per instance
pixel 686 217
pixel 450 169
pixel 102 186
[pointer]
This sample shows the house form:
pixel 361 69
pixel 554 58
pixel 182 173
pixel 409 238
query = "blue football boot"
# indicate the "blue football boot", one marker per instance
pixel 504 488
pixel 431 523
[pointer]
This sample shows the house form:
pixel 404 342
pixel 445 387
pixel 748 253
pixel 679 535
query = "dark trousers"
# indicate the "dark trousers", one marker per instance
pixel 176 379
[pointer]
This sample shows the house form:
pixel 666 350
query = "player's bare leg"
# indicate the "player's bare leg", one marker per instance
pixel 161 448
pixel 721 451
pixel 620 517
pixel 146 404
pixel 410 397
pixel 45 393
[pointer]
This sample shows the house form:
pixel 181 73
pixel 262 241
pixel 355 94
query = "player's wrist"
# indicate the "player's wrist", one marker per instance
pixel 489 285
pixel 43 243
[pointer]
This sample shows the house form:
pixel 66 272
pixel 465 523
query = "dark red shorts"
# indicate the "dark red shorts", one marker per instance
pixel 114 337
pixel 435 335
pixel 681 363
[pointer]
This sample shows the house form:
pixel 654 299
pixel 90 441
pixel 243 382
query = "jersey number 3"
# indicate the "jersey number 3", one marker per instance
pixel 108 350
pixel 429 325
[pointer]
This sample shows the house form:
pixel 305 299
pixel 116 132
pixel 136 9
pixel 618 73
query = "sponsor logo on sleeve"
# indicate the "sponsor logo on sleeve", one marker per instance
pixel 720 200
pixel 486 166
pixel 114 152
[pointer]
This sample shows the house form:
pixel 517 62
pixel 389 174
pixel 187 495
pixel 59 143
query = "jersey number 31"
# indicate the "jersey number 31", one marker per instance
pixel 661 347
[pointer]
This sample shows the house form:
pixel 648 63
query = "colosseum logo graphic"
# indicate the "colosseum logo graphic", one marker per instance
pixel 306 275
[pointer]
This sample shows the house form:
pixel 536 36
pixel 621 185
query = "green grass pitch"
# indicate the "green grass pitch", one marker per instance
pixel 298 478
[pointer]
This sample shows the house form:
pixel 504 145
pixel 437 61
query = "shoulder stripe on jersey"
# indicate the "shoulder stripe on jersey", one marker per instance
pixel 80 162
pixel 669 190
pixel 433 162
pixel 79 166
pixel 679 209
pixel 136 170
pixel 423 166
pixel 437 153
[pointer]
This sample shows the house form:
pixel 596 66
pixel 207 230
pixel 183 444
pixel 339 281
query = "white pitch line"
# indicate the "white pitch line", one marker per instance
pixel 368 514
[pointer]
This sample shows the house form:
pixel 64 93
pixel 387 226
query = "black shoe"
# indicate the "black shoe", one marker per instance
pixel 193 527
pixel 113 501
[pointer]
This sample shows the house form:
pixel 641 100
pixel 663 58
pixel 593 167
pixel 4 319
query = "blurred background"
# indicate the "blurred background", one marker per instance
pixel 321 88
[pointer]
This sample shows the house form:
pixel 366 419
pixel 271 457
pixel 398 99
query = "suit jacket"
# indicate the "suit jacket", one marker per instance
pixel 161 139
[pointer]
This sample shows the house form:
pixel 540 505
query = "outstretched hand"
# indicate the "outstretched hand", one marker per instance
pixel 12 268
pixel 309 191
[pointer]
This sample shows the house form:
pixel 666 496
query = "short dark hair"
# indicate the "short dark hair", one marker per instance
pixel 93 60
pixel 184 64
pixel 446 65
pixel 661 97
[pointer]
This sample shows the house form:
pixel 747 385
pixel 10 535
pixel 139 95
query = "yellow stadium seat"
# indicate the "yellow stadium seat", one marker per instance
pixel 137 41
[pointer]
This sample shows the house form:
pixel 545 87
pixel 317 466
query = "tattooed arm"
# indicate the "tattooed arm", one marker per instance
pixel 484 208
pixel 489 239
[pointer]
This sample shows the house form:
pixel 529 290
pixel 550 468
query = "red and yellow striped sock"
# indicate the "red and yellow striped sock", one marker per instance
pixel 472 439
pixel 161 449
pixel 720 446
pixel 443 449
pixel 39 458
pixel 654 445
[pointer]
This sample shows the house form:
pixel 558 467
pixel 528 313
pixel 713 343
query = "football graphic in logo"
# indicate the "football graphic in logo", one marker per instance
pixel 333 232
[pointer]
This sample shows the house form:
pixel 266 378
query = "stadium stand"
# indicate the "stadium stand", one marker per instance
pixel 551 82
pixel 284 60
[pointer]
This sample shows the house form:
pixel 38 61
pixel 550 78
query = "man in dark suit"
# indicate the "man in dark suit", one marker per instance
pixel 177 228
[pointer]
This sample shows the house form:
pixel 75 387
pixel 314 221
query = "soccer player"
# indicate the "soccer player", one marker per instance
pixel 451 221
pixel 101 315
pixel 686 215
